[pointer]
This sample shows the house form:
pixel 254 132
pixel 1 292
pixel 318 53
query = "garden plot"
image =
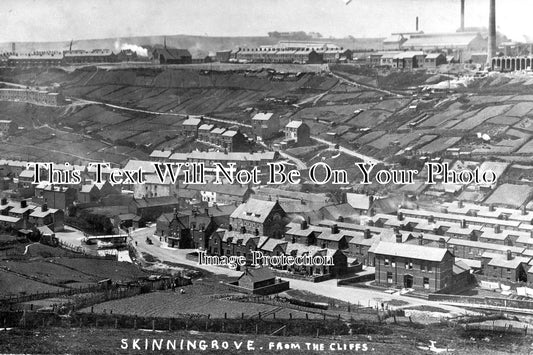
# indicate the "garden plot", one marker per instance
pixel 481 117
pixel 440 144
pixel 14 285
pixel 520 109
pixel 523 98
pixel 174 304
pixel 340 96
pixel 526 123
pixel 514 139
pixel 425 139
pixel 48 272
pixel 504 120
pixel 453 112
pixel 510 195
pixel 370 137
pixel 482 99
pixel 526 148
pixel 154 136
pixel 102 269
pixel 400 139
pixel 370 118
pixel 334 113
pixel 391 105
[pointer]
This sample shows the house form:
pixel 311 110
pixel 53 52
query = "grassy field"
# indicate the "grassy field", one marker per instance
pixel 15 285
pixel 48 272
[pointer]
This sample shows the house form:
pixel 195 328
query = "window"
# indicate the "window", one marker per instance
pixel 426 283
pixel 389 277
pixel 386 263
pixel 393 263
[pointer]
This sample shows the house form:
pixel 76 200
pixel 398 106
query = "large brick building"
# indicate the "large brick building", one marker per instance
pixel 413 266
pixel 260 217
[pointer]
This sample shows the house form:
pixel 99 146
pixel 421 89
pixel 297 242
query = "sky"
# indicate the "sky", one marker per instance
pixel 63 20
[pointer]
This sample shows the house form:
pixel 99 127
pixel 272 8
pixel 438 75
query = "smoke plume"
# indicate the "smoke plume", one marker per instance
pixel 143 52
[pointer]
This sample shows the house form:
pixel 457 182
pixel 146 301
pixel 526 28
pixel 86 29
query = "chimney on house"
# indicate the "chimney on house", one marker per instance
pixel 367 234
pixel 4 201
pixel 44 207
pixel 23 204
pixel 398 237
pixel 442 243
pixel 497 229
pixel 334 229
pixel 303 225
pixel 230 228
pixel 431 219
pixel 444 210
pixel 421 239
pixel 400 216
pixel 460 204
pixel 463 223
pixel 509 255
pixel 523 210
pixel 491 208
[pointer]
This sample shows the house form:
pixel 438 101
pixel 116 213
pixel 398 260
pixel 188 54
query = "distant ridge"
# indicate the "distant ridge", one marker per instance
pixel 199 46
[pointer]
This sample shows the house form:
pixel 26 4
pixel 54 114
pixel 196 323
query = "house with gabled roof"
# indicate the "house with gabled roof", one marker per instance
pixel 171 55
pixel 413 266
pixel 190 126
pixel 261 217
pixel 265 125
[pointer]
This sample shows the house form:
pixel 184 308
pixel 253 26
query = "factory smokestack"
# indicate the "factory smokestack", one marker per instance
pixel 492 31
pixel 417 24
pixel 462 29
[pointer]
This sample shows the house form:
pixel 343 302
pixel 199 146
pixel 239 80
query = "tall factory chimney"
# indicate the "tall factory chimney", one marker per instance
pixel 462 29
pixel 492 31
pixel 417 24
pixel 13 47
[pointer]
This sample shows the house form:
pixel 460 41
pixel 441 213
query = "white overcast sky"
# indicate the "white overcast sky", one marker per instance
pixel 62 20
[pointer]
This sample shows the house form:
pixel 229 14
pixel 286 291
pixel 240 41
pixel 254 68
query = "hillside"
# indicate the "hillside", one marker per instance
pixel 199 46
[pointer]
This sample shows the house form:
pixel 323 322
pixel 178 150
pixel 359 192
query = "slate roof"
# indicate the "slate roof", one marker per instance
pixel 172 53
pixel 358 201
pixel 254 210
pixel 509 264
pixel 272 243
pixel 442 40
pixel 294 124
pixel 258 275
pixel 262 116
pixel 410 251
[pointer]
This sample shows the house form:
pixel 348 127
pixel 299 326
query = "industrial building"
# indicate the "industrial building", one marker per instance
pixel 39 97
pixel 293 52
